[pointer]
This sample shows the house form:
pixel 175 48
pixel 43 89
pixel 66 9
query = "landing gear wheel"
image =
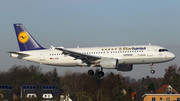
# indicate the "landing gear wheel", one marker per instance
pixel 101 74
pixel 152 71
pixel 90 72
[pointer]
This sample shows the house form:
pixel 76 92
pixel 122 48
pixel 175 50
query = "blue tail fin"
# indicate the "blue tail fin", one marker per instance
pixel 25 40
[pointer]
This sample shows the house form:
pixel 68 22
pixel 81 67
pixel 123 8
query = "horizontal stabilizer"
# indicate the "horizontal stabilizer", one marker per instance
pixel 22 54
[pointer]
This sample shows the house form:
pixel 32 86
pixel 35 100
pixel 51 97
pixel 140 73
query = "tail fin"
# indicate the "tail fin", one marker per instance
pixel 25 40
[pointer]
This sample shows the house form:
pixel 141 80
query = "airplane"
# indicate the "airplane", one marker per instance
pixel 121 58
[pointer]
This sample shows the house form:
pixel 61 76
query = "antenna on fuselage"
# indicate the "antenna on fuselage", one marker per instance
pixel 149 44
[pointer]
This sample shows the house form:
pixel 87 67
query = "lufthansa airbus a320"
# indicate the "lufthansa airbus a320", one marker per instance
pixel 120 58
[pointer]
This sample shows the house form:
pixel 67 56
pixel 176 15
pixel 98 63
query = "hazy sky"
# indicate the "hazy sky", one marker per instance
pixel 86 23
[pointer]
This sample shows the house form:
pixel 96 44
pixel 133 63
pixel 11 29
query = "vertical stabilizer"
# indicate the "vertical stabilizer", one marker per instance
pixel 25 40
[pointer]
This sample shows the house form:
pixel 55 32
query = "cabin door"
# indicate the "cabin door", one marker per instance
pixel 150 51
pixel 42 56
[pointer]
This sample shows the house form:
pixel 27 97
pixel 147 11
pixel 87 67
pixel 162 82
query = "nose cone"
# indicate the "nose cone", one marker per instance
pixel 172 56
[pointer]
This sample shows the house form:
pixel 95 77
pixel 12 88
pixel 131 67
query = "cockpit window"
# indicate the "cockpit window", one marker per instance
pixel 163 50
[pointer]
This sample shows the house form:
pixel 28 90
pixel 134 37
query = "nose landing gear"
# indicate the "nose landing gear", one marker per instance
pixel 152 71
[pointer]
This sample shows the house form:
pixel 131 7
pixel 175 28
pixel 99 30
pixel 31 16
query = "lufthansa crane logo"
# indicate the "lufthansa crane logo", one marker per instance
pixel 23 37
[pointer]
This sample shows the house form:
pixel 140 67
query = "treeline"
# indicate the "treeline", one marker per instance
pixel 111 87
pixel 19 75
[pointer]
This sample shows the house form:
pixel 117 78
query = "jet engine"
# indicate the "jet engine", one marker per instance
pixel 125 67
pixel 109 63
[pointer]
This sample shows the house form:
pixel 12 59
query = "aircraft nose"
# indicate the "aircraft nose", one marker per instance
pixel 172 56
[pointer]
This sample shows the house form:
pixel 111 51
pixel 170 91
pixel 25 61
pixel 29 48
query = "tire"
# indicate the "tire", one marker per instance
pixel 90 72
pixel 101 74
pixel 152 71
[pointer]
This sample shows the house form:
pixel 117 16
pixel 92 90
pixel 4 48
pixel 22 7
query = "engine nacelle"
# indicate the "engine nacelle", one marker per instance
pixel 109 63
pixel 125 67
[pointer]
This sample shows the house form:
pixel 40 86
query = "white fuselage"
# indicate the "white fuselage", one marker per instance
pixel 125 54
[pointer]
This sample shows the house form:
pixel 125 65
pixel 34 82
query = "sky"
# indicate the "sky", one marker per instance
pixel 89 23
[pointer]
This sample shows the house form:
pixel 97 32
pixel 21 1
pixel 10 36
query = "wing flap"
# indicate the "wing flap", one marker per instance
pixel 86 58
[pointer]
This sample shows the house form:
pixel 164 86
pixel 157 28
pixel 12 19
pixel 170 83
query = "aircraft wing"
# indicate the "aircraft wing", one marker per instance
pixel 18 53
pixel 86 58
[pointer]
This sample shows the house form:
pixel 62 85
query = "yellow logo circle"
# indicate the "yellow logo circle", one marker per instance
pixel 23 37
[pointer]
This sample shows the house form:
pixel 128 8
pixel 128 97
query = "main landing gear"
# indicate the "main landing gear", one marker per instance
pixel 152 71
pixel 90 72
pixel 100 73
